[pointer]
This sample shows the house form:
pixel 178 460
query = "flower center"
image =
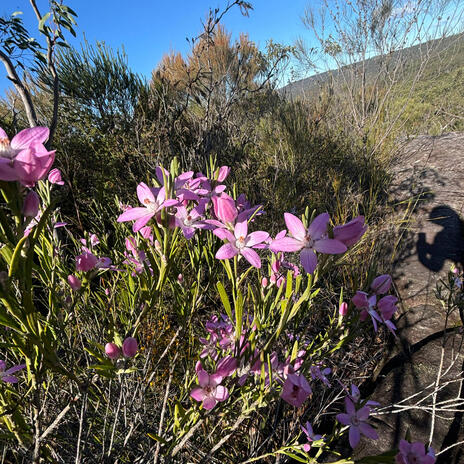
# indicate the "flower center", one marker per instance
pixel 308 241
pixel 240 243
pixel 151 205
pixel 5 149
pixel 296 389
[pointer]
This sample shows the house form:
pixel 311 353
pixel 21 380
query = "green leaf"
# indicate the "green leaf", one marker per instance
pixel 42 22
pixel 224 299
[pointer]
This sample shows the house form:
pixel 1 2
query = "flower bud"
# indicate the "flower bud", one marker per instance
pixel 112 351
pixel 224 208
pixel 264 282
pixel 343 310
pixel 74 282
pixel 381 284
pixel 31 204
pixel 223 173
pixel 129 347
pixel 54 177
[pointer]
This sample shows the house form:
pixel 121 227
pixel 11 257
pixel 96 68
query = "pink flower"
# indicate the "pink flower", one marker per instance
pixel 310 436
pixel 381 284
pixel 350 232
pixel 25 159
pixel 224 208
pixel 317 373
pixel 296 390
pixel 5 374
pixel 31 204
pixel 210 346
pixel 86 262
pixel 311 240
pixel 210 391
pixel 414 453
pixel 74 282
pixel 129 347
pixel 54 177
pixel 357 423
pixel 240 243
pixel 191 220
pixel 152 205
pixel 112 350
pixel 367 304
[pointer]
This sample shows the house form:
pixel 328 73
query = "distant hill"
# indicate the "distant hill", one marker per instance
pixel 451 47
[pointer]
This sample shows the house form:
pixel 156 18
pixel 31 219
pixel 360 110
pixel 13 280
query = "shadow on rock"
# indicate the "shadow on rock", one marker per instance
pixel 447 244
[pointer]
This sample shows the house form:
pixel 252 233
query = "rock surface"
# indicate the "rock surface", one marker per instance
pixel 428 188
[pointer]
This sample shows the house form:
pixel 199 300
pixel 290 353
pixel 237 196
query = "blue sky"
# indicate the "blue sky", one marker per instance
pixel 149 28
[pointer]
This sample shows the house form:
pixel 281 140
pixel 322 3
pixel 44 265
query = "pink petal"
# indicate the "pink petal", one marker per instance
pixel 224 234
pixel 133 214
pixel 318 227
pixel 241 229
pixel 141 222
pixel 221 393
pixel 329 246
pixel 344 419
pixel 215 379
pixel 286 244
pixel 209 403
pixel 159 174
pixel 308 260
pixel 251 256
pixel 256 237
pixel 354 436
pixel 368 431
pixel 203 378
pixel 15 368
pixel 404 446
pixel 7 170
pixel 26 137
pixel 418 448
pixel 227 251
pixel 349 406
pixel 3 134
pixel 360 300
pixel 381 284
pixel 295 226
pixel 198 394
pixel 144 194
pixel 363 413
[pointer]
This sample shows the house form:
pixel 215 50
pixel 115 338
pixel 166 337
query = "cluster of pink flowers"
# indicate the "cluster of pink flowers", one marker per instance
pixel 221 342
pixel 380 310
pixel 199 202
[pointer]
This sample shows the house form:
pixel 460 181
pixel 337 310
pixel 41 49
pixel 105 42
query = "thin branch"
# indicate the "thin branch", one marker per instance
pixel 21 89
